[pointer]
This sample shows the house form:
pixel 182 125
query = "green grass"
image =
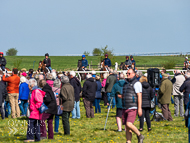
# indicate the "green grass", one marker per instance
pixel 86 130
pixel 70 62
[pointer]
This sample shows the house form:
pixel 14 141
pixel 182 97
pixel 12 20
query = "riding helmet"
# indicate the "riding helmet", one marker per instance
pixel 1 53
pixel 83 56
pixel 131 57
pixel 106 55
pixel 186 57
pixel 47 54
pixel 127 57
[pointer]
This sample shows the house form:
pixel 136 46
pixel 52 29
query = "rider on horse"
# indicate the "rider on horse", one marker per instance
pixel 2 61
pixel 84 62
pixel 186 63
pixel 133 61
pixel 47 62
pixel 128 63
pixel 107 61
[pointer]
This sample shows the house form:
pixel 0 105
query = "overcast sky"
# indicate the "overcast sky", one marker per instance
pixel 62 27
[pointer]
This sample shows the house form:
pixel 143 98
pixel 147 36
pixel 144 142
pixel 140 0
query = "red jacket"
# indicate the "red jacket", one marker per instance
pixel 13 83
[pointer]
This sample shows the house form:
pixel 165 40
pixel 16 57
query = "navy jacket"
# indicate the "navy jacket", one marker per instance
pixel 23 91
pixel 133 61
pixel 98 91
pixel 3 61
pixel 118 86
pixel 84 63
pixel 47 62
pixel 3 92
pixel 77 87
pixel 185 86
pixel 107 62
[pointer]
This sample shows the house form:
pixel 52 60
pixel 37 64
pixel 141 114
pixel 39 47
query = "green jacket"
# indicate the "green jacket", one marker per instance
pixel 165 91
pixel 67 96
pixel 111 80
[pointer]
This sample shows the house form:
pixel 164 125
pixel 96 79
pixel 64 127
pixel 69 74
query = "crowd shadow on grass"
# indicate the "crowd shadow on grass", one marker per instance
pixel 22 118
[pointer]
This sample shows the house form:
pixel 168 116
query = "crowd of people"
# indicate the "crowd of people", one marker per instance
pixel 22 94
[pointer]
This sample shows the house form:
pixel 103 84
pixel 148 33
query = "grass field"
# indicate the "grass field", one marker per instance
pixel 70 62
pixel 86 130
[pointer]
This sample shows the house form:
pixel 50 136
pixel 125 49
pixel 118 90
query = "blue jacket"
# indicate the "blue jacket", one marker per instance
pixel 84 63
pixel 98 91
pixel 118 87
pixel 107 62
pixel 23 91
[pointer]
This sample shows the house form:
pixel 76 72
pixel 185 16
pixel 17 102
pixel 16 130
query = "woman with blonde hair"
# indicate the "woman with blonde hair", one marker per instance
pixel 147 96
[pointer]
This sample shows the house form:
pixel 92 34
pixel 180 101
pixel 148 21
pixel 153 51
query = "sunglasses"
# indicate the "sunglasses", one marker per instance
pixel 128 73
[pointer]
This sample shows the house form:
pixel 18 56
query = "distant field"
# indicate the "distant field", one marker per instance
pixel 70 62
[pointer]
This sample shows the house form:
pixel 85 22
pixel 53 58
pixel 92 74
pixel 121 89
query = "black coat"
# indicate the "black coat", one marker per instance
pixel 77 87
pixel 89 89
pixel 147 94
pixel 185 86
pixel 49 100
pixel 3 92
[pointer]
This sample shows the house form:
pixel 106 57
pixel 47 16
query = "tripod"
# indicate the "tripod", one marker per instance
pixel 154 109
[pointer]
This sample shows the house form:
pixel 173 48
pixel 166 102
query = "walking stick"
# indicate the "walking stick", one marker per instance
pixel 108 113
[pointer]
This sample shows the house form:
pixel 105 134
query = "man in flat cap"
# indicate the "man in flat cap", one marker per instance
pixel 165 93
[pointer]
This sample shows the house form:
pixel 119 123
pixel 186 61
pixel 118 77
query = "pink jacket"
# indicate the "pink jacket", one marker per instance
pixel 36 101
pixel 104 82
pixel 50 82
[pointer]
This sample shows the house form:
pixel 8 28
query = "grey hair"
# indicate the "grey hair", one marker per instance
pixel 105 75
pixel 57 83
pixel 88 76
pixel 22 79
pixel 32 82
pixel 111 71
pixel 139 73
pixel 121 76
pixel 49 76
pixel 115 71
pixel 64 79
pixel 54 75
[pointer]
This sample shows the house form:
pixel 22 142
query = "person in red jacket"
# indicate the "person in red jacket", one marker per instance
pixel 13 91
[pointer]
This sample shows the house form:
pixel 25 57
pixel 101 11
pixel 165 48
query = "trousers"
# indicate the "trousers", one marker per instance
pixel 178 105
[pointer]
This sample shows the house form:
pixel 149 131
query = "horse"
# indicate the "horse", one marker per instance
pixel 103 68
pixel 82 75
pixel 6 69
pixel 186 66
pixel 123 67
pixel 42 67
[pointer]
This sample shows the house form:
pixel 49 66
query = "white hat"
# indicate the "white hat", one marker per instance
pixel 93 72
pixel 72 73
pixel 186 57
pixel 145 74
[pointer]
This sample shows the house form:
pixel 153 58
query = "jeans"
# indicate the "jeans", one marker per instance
pixel 49 68
pixel 76 110
pixel 7 108
pixel 172 100
pixel 56 123
pixel 146 115
pixel 178 105
pixel 97 105
pixel 2 111
pixel 3 67
pixel 109 100
pixel 33 129
pixel 23 106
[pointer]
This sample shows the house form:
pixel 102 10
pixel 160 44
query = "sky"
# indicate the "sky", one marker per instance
pixel 70 27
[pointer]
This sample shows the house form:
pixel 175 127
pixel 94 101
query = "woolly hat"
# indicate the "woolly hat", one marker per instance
pixel 72 73
pixel 24 74
pixel 93 72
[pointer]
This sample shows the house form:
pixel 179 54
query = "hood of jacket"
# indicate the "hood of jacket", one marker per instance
pixel 90 79
pixel 145 85
pixel 77 81
pixel 121 82
pixel 47 87
pixel 35 87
